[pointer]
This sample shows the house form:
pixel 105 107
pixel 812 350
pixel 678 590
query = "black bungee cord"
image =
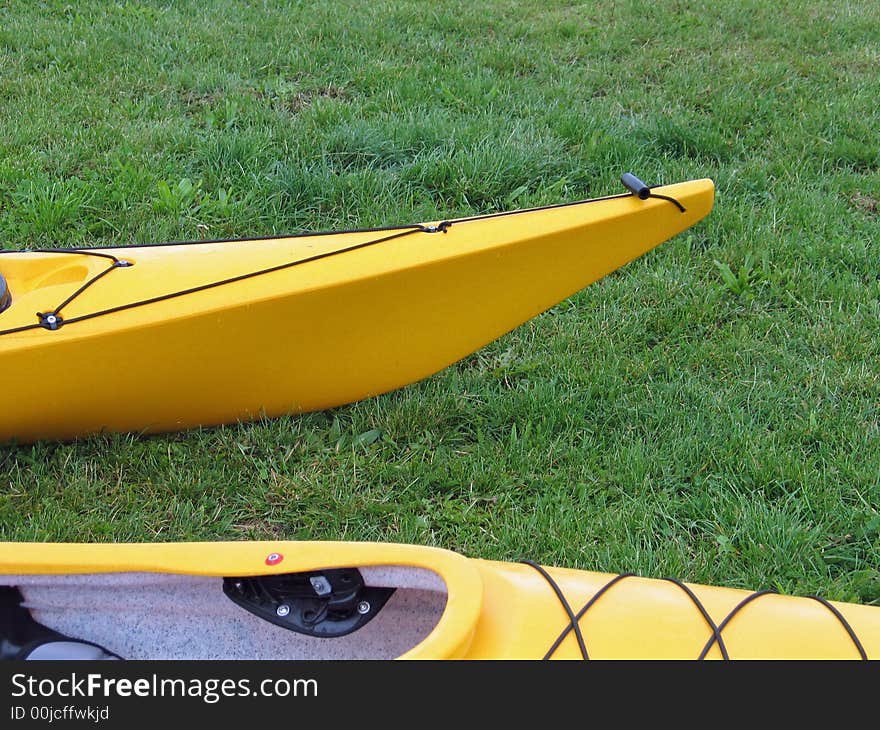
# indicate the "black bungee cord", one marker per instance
pixel 717 629
pixel 52 320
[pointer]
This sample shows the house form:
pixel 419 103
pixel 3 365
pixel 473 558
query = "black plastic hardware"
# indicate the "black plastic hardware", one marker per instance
pixel 50 320
pixel 21 637
pixel 441 227
pixel 325 603
pixel 643 192
pixel 635 186
pixel 19 630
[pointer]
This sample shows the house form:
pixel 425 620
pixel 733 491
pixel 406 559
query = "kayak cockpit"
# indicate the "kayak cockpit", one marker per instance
pixel 40 282
pixel 377 612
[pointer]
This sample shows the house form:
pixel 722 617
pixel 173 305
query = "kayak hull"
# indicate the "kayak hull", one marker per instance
pixel 331 331
pixel 489 610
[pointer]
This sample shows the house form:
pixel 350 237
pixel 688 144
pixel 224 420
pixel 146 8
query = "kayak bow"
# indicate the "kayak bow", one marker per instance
pixel 165 337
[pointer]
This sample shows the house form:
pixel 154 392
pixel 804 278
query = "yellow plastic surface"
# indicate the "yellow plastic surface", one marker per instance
pixel 314 336
pixel 504 610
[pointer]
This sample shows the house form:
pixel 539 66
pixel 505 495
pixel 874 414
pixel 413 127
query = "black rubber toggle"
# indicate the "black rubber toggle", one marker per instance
pixel 643 192
pixel 635 186
pixel 50 320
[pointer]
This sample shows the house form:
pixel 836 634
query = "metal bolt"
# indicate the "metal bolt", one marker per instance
pixel 282 610
pixel 321 585
pixel 363 607
pixel 51 319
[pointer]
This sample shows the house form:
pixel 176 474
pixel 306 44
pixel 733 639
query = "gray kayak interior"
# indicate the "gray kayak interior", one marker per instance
pixel 169 616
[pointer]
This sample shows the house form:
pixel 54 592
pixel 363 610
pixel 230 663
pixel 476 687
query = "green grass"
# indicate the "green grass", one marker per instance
pixel 711 411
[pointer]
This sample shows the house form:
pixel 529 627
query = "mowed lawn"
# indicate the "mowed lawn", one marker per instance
pixel 708 412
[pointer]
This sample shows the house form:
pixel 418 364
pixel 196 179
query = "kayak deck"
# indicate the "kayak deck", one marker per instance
pixel 295 324
pixel 138 276
pixel 167 601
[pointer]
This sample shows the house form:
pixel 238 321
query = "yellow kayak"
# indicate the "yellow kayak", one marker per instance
pixel 337 600
pixel 164 337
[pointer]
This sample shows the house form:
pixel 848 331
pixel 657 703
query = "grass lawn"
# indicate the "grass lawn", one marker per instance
pixel 711 411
